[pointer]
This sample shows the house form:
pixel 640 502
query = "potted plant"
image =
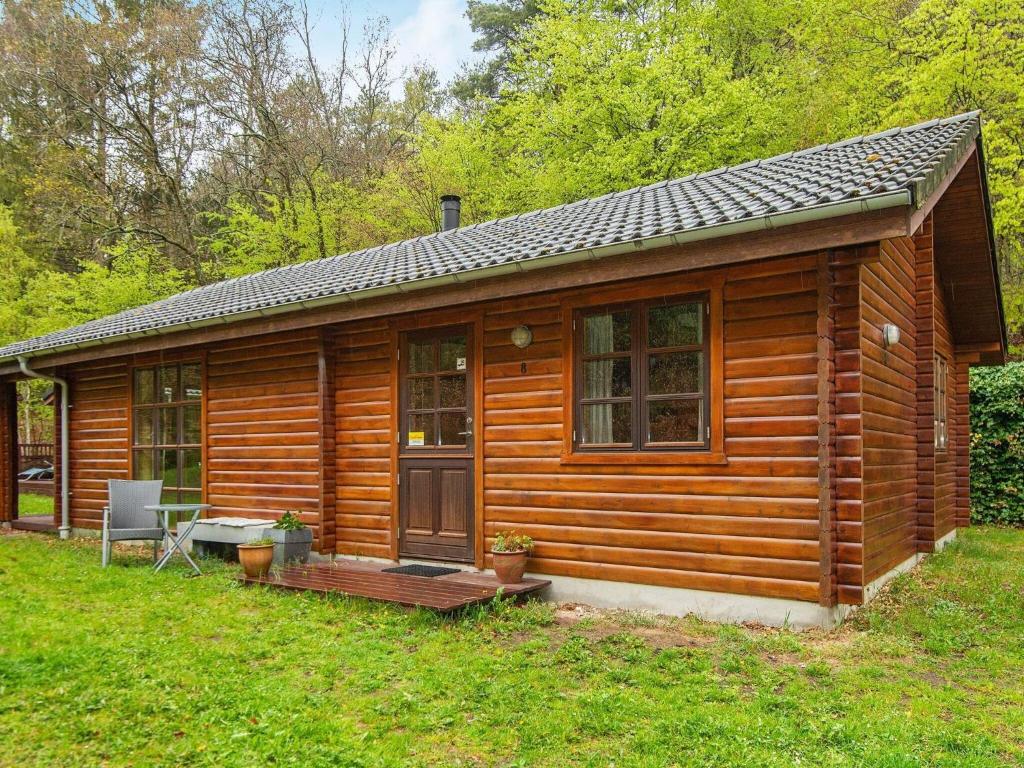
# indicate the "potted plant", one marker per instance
pixel 510 550
pixel 294 538
pixel 256 557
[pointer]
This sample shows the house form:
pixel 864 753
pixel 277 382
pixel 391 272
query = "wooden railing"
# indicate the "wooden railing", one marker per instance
pixel 34 455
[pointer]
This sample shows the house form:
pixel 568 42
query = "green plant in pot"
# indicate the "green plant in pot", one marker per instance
pixel 256 557
pixel 293 537
pixel 510 550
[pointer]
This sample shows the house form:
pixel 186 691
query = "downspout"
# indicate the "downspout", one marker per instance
pixel 65 396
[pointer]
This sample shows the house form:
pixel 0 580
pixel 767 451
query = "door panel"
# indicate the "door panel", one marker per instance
pixel 435 498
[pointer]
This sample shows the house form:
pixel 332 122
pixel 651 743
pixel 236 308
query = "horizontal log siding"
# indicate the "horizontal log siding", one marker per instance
pixel 889 385
pixel 750 526
pixel 849 437
pixel 262 423
pixel 963 446
pixel 945 461
pixel 925 295
pixel 8 451
pixel 99 437
pixel 363 444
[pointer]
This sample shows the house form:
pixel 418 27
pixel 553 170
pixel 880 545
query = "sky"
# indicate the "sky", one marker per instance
pixel 435 32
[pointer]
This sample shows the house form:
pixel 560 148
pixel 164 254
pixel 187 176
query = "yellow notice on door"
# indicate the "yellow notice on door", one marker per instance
pixel 415 438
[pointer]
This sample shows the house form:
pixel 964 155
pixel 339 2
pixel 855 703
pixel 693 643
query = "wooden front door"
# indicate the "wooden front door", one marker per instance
pixel 435 465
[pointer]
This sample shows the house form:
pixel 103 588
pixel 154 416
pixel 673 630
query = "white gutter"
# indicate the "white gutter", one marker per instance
pixel 65 430
pixel 758 224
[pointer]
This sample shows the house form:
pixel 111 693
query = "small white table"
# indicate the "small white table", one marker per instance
pixel 171 541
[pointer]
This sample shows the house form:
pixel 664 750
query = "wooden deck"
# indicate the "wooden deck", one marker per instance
pixel 42 523
pixel 441 593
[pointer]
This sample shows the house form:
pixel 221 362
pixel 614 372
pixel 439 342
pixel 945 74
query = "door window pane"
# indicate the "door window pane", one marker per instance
pixel 453 353
pixel 167 386
pixel 607 378
pixel 453 391
pixel 142 465
pixel 607 423
pixel 673 421
pixel 421 428
pixel 191 382
pixel 421 357
pixel 677 325
pixel 603 334
pixel 452 424
pixel 190 497
pixel 192 425
pixel 673 373
pixel 145 386
pixel 421 393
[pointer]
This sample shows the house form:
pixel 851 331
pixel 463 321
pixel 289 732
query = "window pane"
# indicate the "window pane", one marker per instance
pixel 453 354
pixel 142 465
pixel 191 382
pixel 452 424
pixel 453 391
pixel 421 357
pixel 169 467
pixel 167 426
pixel 606 333
pixel 191 468
pixel 421 429
pixel 192 425
pixel 607 378
pixel 673 421
pixel 190 497
pixel 144 430
pixel 677 325
pixel 169 497
pixel 145 388
pixel 607 423
pixel 674 373
pixel 167 388
pixel 421 393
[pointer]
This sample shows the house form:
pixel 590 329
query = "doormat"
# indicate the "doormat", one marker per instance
pixel 422 570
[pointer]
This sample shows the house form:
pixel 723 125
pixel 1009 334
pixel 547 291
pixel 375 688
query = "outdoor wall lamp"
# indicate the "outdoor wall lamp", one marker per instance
pixel 522 336
pixel 890 334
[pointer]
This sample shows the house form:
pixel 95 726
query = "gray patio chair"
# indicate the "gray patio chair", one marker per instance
pixel 124 518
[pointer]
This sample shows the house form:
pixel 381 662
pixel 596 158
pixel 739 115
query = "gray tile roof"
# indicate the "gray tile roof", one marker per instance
pixel 899 166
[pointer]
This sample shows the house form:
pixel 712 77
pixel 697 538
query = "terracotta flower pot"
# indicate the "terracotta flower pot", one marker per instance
pixel 256 559
pixel 509 566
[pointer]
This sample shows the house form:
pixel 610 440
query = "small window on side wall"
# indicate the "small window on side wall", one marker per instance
pixel 167 429
pixel 641 377
pixel 940 403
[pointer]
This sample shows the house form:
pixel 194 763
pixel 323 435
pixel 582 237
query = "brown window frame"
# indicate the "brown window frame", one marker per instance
pixel 158 406
pixel 940 403
pixel 640 397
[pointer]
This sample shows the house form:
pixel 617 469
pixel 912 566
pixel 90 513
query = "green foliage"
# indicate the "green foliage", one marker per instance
pixel 289 521
pixel 997 444
pixel 92 673
pixel 510 541
pixel 263 541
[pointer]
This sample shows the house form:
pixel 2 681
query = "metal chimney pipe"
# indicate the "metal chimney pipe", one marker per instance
pixel 451 206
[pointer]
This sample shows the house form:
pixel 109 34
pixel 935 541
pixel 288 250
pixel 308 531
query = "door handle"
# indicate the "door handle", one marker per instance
pixel 469 427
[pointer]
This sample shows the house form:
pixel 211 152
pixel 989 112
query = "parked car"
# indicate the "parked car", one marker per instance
pixel 36 473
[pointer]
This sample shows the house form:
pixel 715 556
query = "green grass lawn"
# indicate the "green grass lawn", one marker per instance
pixel 34 504
pixel 127 667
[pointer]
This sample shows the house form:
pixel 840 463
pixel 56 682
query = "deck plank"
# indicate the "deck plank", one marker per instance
pixel 445 594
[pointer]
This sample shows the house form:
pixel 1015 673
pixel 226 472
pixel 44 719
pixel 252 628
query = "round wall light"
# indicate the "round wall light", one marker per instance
pixel 890 334
pixel 522 336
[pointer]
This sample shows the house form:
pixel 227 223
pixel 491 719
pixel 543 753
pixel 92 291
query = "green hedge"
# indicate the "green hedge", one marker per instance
pixel 997 445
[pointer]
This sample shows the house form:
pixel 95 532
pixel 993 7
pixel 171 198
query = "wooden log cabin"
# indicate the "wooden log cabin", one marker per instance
pixel 742 393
